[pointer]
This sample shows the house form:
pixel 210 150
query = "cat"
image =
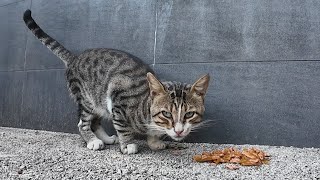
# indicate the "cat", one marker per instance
pixel 112 84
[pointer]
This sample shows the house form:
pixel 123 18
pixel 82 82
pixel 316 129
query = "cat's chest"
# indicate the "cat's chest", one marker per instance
pixel 105 109
pixel 102 112
pixel 155 133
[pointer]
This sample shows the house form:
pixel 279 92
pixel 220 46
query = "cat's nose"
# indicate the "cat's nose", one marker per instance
pixel 178 132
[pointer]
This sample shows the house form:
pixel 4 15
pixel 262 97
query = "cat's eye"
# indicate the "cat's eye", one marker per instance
pixel 189 115
pixel 166 114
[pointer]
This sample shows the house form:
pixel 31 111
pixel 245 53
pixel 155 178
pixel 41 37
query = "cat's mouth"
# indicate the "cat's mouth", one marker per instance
pixel 178 138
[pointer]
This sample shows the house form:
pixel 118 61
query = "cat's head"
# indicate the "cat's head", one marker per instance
pixel 176 108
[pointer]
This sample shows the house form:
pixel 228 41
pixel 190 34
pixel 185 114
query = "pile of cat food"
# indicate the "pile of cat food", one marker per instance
pixel 248 157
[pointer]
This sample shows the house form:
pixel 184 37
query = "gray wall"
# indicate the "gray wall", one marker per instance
pixel 263 57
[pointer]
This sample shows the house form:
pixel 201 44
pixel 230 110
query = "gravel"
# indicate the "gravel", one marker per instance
pixel 32 154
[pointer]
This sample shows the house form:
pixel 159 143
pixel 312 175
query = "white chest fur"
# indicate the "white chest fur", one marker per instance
pixel 109 105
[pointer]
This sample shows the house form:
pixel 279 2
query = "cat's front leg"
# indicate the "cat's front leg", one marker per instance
pixel 125 138
pixel 91 139
pixel 125 132
pixel 155 143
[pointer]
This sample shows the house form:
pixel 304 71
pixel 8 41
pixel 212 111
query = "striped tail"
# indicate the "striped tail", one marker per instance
pixel 65 55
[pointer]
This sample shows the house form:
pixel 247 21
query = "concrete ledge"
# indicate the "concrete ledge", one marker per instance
pixel 30 154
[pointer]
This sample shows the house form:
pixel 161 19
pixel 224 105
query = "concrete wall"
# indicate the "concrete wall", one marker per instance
pixel 263 57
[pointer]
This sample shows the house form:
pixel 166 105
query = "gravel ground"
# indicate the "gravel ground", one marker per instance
pixel 31 154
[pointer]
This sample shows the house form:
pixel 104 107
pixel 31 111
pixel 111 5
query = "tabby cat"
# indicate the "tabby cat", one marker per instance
pixel 112 84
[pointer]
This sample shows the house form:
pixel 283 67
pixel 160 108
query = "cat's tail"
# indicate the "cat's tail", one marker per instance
pixel 65 55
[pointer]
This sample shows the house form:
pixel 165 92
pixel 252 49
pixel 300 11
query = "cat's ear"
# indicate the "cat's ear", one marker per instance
pixel 155 85
pixel 201 85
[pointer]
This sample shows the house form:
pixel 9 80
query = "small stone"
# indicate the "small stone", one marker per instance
pixel 144 171
pixel 138 176
pixel 232 166
pixel 59 169
pixel 21 169
pixel 164 173
pixel 125 171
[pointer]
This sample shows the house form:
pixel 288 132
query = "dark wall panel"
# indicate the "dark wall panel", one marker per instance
pixel 11 86
pixel 13 36
pixel 210 31
pixel 46 102
pixel 82 24
pixel 256 103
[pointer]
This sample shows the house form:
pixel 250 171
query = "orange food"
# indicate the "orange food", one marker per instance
pixel 232 166
pixel 248 157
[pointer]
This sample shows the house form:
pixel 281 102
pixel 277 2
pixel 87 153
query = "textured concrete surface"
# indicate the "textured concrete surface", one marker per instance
pixel 30 154
pixel 263 57
pixel 211 31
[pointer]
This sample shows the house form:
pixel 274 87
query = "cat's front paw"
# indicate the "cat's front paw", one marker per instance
pixel 157 145
pixel 129 148
pixel 95 144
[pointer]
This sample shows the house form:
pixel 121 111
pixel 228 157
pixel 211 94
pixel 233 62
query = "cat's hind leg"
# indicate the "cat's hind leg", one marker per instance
pixel 99 131
pixel 86 131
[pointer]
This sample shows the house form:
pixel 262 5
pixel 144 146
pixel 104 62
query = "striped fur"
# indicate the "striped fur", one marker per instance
pixel 112 84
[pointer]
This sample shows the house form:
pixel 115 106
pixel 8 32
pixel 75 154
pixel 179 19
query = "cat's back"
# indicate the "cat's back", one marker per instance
pixel 103 61
pixel 106 72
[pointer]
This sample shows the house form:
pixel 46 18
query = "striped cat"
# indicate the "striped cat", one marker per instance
pixel 112 84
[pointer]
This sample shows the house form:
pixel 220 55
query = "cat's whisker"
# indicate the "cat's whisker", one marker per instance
pixel 156 128
pixel 206 121
pixel 203 125
pixel 209 122
pixel 194 130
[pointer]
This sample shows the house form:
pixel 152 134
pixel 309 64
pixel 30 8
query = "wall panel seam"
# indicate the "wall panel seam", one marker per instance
pixel 275 61
pixel 155 34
